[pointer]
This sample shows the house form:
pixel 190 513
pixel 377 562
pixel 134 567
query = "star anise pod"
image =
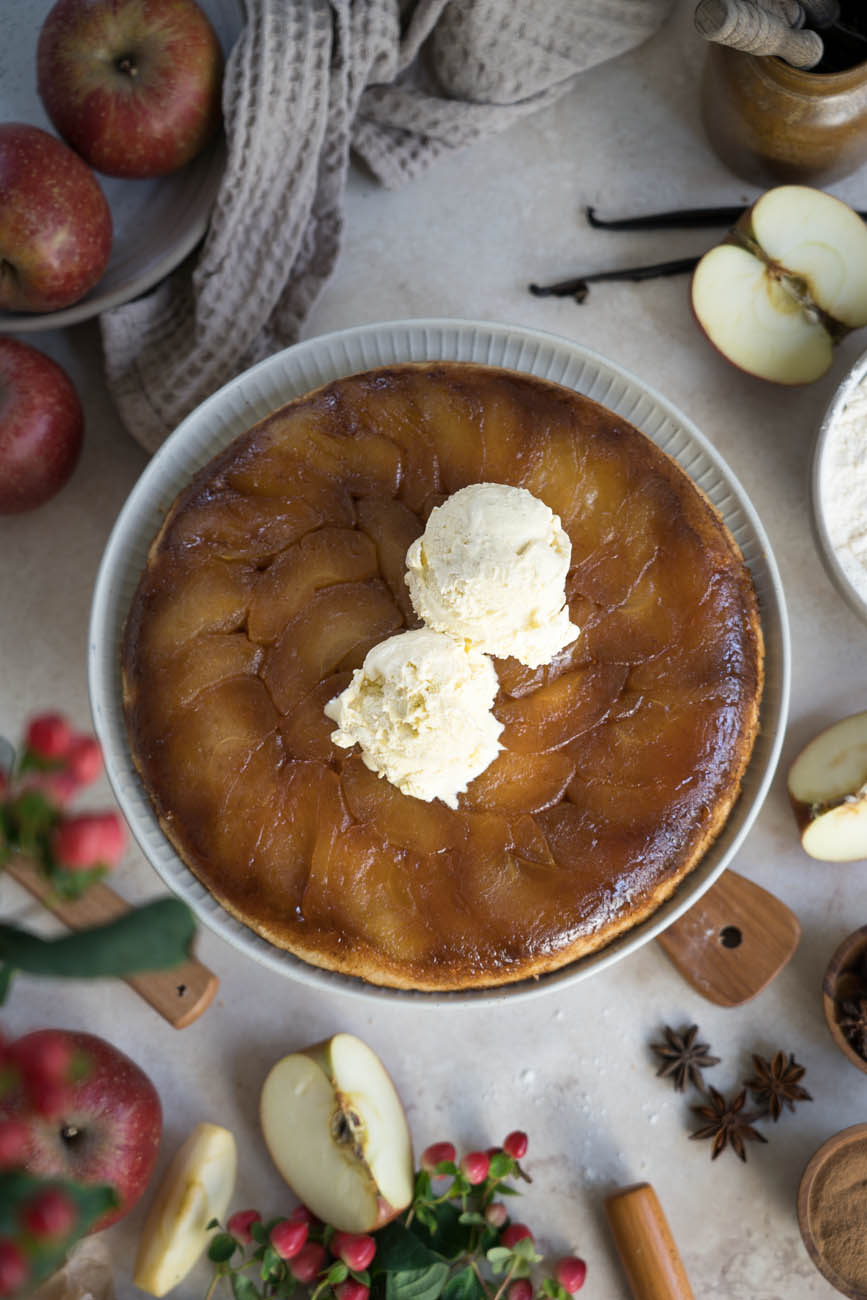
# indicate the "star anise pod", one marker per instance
pixel 726 1124
pixel 683 1059
pixel 852 1020
pixel 776 1084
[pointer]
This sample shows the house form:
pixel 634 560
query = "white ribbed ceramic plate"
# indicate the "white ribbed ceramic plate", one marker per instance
pixel 820 493
pixel 308 365
pixel 156 222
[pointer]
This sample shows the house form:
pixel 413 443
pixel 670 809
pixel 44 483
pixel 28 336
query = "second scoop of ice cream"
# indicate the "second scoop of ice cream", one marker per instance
pixel 420 709
pixel 490 568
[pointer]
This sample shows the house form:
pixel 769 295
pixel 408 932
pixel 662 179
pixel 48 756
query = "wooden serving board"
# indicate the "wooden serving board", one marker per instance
pixel 733 941
pixel 180 995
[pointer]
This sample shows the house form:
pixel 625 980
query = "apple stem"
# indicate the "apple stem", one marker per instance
pixel 127 65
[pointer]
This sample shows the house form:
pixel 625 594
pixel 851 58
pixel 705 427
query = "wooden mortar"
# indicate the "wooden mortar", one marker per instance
pixel 845 959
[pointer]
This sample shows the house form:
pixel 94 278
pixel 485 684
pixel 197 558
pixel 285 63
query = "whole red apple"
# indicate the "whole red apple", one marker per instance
pixel 55 224
pixel 41 427
pixel 110 1130
pixel 133 85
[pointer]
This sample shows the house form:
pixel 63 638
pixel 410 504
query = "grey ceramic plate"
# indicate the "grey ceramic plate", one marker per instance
pixel 288 374
pixel 156 222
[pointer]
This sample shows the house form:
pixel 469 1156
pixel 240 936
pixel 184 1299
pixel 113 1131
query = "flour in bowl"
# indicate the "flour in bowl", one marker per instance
pixel 844 488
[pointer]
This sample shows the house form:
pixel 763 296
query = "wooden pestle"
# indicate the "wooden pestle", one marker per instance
pixel 791 11
pixel 744 26
pixel 646 1247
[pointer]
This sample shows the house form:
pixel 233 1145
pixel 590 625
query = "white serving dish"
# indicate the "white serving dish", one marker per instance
pixel 156 222
pixel 818 491
pixel 288 374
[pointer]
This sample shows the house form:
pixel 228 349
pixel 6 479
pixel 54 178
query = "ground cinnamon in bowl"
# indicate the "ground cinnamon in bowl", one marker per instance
pixel 832 1209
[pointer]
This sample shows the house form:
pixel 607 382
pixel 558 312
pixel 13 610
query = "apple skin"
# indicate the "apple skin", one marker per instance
pixel 41 427
pixel 109 1132
pixel 132 85
pixel 55 223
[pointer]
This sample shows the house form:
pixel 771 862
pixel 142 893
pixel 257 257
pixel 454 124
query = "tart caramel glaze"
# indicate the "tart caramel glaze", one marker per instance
pixel 281 565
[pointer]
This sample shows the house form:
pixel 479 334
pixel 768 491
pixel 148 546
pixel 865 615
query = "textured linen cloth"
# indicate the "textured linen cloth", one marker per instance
pixel 400 82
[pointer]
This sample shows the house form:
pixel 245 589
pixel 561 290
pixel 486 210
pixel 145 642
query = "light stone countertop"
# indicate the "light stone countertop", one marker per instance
pixel 572 1066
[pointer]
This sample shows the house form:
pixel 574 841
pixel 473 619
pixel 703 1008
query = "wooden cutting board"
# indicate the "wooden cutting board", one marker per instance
pixel 180 995
pixel 733 941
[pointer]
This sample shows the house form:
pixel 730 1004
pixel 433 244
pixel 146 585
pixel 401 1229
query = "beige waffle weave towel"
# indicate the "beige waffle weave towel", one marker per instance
pixel 400 82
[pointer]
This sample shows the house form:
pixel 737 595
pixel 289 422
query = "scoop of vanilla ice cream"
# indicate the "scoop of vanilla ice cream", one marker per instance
pixel 420 708
pixel 491 568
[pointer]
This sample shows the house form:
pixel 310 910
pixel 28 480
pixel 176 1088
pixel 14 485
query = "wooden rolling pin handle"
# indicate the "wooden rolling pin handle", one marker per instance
pixel 646 1247
pixel 745 26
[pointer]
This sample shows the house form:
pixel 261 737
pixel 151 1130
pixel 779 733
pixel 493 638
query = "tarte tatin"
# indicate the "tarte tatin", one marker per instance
pixel 282 564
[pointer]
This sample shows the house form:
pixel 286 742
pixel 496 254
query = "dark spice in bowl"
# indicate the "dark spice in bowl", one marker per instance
pixel 844 990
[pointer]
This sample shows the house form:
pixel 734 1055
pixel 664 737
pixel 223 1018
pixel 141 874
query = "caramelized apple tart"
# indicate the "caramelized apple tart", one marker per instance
pixel 283 563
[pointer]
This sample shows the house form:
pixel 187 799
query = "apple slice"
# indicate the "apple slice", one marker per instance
pixel 336 1130
pixel 197 1187
pixel 827 786
pixel 789 282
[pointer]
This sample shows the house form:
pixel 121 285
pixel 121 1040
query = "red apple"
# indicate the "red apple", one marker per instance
pixel 133 85
pixel 55 225
pixel 41 427
pixel 109 1131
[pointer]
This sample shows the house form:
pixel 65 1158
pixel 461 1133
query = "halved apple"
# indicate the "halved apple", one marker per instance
pixel 336 1130
pixel 197 1187
pixel 789 282
pixel 828 790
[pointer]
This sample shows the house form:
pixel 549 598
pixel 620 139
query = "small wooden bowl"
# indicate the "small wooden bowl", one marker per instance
pixel 835 1148
pixel 848 957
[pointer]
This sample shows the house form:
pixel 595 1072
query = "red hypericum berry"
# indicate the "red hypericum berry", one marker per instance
pixel 50 1214
pixel 355 1250
pixel 287 1238
pixel 89 840
pixel 351 1290
pixel 476 1166
pixel 309 1262
pixel 520 1290
pixel 240 1223
pixel 570 1273
pixel 48 735
pixel 83 759
pixel 13 1267
pixel 44 1056
pixel 496 1214
pixel 14 1143
pixel 301 1214
pixel 438 1153
pixel 515 1144
pixel 513 1234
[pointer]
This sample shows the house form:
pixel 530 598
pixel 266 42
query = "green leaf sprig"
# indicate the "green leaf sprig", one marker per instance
pixel 456 1241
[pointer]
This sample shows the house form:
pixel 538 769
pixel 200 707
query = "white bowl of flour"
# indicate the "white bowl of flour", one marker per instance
pixel 839 487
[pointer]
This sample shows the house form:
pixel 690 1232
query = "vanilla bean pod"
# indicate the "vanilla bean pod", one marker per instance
pixel 577 287
pixel 677 219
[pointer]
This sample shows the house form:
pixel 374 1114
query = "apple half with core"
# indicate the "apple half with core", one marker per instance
pixel 55 223
pixel 133 85
pixel 827 786
pixel 336 1130
pixel 788 283
pixel 196 1188
pixel 109 1129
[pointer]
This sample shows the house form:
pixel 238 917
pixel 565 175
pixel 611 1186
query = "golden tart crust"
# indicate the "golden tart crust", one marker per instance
pixel 282 564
